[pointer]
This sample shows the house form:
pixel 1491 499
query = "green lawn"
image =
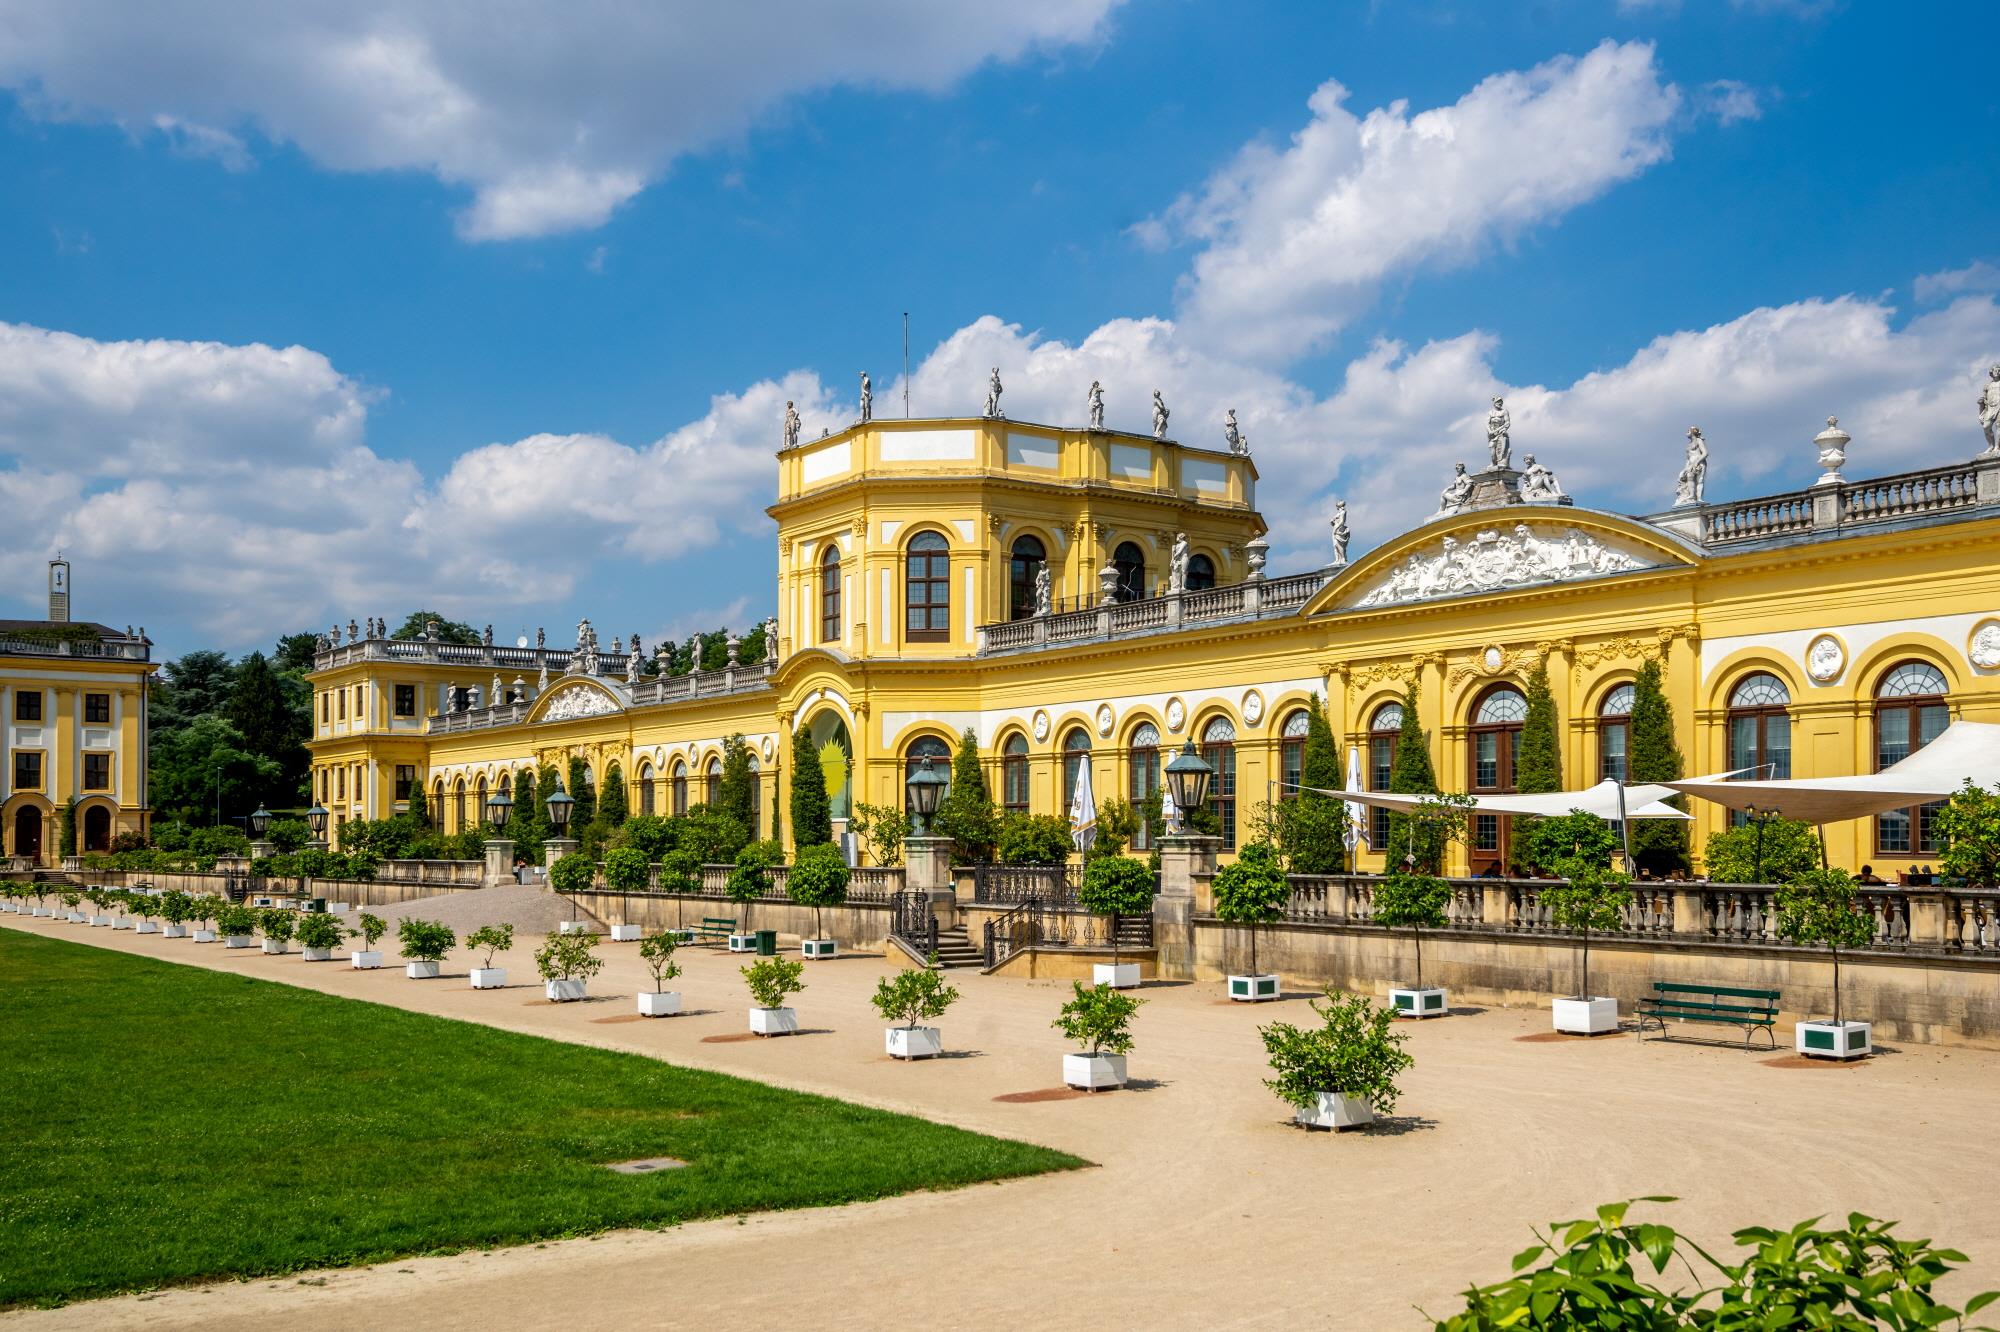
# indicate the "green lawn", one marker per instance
pixel 166 1123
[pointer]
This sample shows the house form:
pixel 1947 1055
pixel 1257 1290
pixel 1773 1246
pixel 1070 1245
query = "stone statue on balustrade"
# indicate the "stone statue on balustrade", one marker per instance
pixel 1239 443
pixel 867 398
pixel 1457 494
pixel 792 424
pixel 1498 441
pixel 353 631
pixel 770 627
pixel 1340 532
pixel 1689 484
pixel 1096 405
pixel 1539 484
pixel 1160 415
pixel 1177 565
pixel 430 631
pixel 1989 413
pixel 633 662
pixel 486 636
pixel 993 394
pixel 1043 593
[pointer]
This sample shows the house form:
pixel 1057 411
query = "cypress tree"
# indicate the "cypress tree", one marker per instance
pixel 585 808
pixel 420 808
pixel 812 813
pixel 613 806
pixel 1538 762
pixel 527 824
pixel 1410 774
pixel 967 814
pixel 1321 766
pixel 1310 825
pixel 735 793
pixel 1652 755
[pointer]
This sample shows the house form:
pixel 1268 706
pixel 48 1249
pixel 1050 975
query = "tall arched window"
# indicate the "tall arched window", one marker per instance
pixel 1218 746
pixel 1076 753
pixel 1385 730
pixel 680 788
pixel 829 594
pixel 756 800
pixel 926 747
pixel 1496 739
pixel 712 785
pixel 458 806
pixel 1910 712
pixel 479 802
pixel 1145 777
pixel 927 589
pixel 1200 573
pixel 1614 735
pixel 647 802
pixel 1014 774
pixel 1023 565
pixel 1130 563
pixel 1292 753
pixel 433 816
pixel 1760 729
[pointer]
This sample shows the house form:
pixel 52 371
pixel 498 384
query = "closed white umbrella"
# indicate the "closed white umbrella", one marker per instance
pixel 1083 808
pixel 1170 813
pixel 1356 831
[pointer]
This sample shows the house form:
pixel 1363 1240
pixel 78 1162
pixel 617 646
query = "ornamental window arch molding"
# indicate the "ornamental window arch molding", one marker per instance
pixel 1871 668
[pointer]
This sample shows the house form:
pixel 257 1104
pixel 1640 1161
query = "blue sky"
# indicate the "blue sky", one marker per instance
pixel 329 311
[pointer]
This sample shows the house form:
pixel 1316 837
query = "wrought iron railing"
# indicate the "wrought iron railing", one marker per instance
pixel 1003 884
pixel 1034 923
pixel 913 923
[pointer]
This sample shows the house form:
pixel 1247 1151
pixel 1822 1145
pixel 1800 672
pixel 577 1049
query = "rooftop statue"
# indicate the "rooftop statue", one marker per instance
pixel 1177 564
pixel 1989 412
pixel 1455 495
pixel 867 398
pixel 1238 443
pixel 1096 405
pixel 1539 484
pixel 1498 440
pixel 1694 471
pixel 1043 595
pixel 993 394
pixel 791 426
pixel 1340 534
pixel 1160 415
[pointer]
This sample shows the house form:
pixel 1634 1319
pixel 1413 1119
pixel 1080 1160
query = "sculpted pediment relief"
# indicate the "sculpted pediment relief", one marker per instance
pixel 1498 557
pixel 577 701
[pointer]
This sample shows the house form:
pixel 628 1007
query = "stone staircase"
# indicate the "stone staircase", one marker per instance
pixel 956 949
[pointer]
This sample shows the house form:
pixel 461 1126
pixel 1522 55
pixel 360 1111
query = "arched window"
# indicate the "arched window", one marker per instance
pixel 1910 712
pixel 1145 777
pixel 1014 774
pixel 1385 731
pixel 646 799
pixel 1614 735
pixel 756 800
pixel 1496 740
pixel 433 816
pixel 1023 566
pixel 926 747
pixel 1076 753
pixel 927 589
pixel 479 802
pixel 458 806
pixel 1200 573
pixel 1218 746
pixel 829 594
pixel 712 785
pixel 1130 563
pixel 680 787
pixel 1291 751
pixel 1760 730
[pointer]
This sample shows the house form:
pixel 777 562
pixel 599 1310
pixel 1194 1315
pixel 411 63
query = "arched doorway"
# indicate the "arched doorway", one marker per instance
pixel 97 828
pixel 28 833
pixel 828 725
pixel 1130 564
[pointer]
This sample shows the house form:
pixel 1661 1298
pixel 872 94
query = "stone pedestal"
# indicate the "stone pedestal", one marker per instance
pixel 927 870
pixel 1186 862
pixel 1494 487
pixel 555 848
pixel 259 850
pixel 1927 918
pixel 499 862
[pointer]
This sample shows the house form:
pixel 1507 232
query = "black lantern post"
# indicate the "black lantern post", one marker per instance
pixel 926 786
pixel 1187 778
pixel 316 818
pixel 260 822
pixel 561 803
pixel 1759 817
pixel 498 808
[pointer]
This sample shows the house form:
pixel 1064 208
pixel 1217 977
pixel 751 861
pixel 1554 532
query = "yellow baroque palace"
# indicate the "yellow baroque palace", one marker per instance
pixel 1094 597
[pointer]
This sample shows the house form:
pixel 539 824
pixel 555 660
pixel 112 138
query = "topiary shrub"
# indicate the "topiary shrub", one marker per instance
pixel 1099 1019
pixel 1035 839
pixel 1352 1052
pixel 1114 886
pixel 425 940
pixel 818 879
pixel 626 870
pixel 1251 892
pixel 573 873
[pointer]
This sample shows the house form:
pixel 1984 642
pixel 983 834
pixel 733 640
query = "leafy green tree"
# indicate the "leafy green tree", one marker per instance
pixel 528 821
pixel 1577 835
pixel 1117 823
pixel 585 809
pixel 205 762
pixel 293 654
pixel 1035 839
pixel 1968 830
pixel 1251 892
pixel 753 648
pixel 1411 774
pixel 1778 852
pixel 449 630
pixel 714 837
pixel 1652 755
pixel 1114 886
pixel 1099 1019
pixel 1538 762
pixel 650 835
pixel 967 814
pixel 289 835
pixel 883 828
pixel 736 793
pixel 1821 907
pixel 812 813
pixel 1593 900
pixel 419 811
pixel 274 721
pixel 1354 1052
pixel 818 878
pixel 1415 902
pixel 193 685
pixel 613 804
pixel 625 869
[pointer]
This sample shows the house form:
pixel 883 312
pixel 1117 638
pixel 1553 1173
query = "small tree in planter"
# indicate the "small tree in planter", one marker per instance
pixel 909 997
pixel 818 879
pixel 680 874
pixel 626 870
pixel 1343 1073
pixel 203 912
pixel 425 942
pixel 1593 899
pixel 367 958
pixel 71 901
pixel 1100 1020
pixel 120 902
pixel 1112 887
pixel 176 908
pixel 278 925
pixel 494 939
pixel 319 935
pixel 1251 892
pixel 748 880
pixel 566 963
pixel 572 874
pixel 1820 907
pixel 237 924
pixel 1415 902
pixel 771 982
pixel 657 952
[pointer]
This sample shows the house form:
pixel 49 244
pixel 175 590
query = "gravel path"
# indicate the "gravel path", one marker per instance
pixel 532 911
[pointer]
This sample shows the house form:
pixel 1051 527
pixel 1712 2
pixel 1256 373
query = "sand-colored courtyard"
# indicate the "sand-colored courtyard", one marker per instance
pixel 1207 1207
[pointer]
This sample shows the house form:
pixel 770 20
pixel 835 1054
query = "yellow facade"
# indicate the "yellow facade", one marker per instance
pixel 1857 595
pixel 72 728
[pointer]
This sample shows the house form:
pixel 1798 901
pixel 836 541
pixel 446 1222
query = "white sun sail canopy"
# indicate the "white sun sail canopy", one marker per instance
pixel 1641 801
pixel 1965 750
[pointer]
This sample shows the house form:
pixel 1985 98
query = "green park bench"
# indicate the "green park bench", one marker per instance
pixel 1751 1010
pixel 716 929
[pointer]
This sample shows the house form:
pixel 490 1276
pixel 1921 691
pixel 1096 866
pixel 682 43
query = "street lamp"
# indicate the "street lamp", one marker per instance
pixel 497 810
pixel 925 786
pixel 260 821
pixel 1759 817
pixel 316 818
pixel 1187 780
pixel 560 806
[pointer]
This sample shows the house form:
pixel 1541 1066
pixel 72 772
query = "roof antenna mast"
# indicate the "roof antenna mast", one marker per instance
pixel 906 365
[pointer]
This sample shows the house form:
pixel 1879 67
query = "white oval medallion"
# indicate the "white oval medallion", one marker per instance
pixel 770 749
pixel 1983 648
pixel 1041 727
pixel 1176 715
pixel 1826 658
pixel 1253 707
pixel 1105 718
pixel 1493 658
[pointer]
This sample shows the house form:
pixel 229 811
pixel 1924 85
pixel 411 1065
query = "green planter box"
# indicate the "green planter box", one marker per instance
pixel 767 943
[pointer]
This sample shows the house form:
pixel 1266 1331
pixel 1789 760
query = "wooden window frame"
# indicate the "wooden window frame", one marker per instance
pixel 933 583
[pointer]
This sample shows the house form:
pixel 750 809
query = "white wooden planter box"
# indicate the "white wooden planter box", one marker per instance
pixel 238 941
pixel 489 978
pixel 681 936
pixel 1587 1017
pixel 317 954
pixel 78 918
pixel 624 933
pixel 659 1003
pixel 100 922
pixel 1254 989
pixel 565 991
pixel 774 1021
pixel 39 911
pixel 365 959
pixel 1824 1040
pixel 816 947
pixel 574 927
pixel 203 936
pixel 915 1042
pixel 1431 1002
pixel 143 927
pixel 1337 1111
pixel 742 943
pixel 273 947
pixel 1092 1071
pixel 1119 976
pixel 174 932
pixel 422 970
pixel 123 923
